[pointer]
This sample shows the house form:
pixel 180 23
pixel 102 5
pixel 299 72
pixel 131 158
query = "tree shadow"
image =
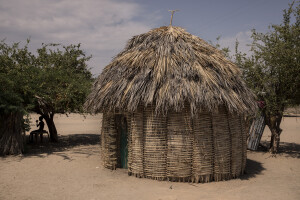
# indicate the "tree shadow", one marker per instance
pixel 286 149
pixel 79 143
pixel 289 149
pixel 252 169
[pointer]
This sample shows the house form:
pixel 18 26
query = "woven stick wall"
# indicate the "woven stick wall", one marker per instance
pixel 128 118
pixel 209 147
pixel 244 130
pixel 118 126
pixel 180 146
pixel 109 141
pixel 136 148
pixel 104 143
pixel 155 144
pixel 236 145
pixel 203 149
pixel 222 145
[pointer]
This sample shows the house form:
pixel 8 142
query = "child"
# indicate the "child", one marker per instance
pixel 41 125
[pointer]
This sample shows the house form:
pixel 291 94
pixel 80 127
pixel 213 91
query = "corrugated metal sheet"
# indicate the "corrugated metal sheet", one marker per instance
pixel 256 130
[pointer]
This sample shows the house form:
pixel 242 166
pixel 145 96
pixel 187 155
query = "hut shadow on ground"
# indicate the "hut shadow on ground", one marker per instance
pixel 286 149
pixel 79 143
pixel 252 169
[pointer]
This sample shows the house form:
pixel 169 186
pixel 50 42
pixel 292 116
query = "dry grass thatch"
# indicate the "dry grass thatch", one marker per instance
pixel 168 67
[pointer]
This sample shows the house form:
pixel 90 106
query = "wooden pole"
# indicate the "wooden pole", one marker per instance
pixel 172 13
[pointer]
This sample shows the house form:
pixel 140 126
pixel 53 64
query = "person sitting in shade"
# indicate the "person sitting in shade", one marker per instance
pixel 40 131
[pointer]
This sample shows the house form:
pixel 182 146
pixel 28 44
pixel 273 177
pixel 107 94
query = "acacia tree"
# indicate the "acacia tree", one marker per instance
pixel 273 69
pixel 52 81
pixel 16 73
pixel 63 83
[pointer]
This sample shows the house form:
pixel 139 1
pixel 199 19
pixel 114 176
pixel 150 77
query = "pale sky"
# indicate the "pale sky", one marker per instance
pixel 104 26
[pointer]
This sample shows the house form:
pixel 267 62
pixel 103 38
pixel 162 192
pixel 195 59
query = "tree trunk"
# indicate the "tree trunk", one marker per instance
pixel 51 127
pixel 273 122
pixel 11 138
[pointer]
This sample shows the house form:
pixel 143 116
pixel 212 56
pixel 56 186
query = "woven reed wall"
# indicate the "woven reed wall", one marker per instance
pixel 128 118
pixel 203 148
pixel 155 145
pixel 180 146
pixel 109 141
pixel 222 145
pixel 244 133
pixel 117 136
pixel 136 148
pixel 209 147
pixel 236 145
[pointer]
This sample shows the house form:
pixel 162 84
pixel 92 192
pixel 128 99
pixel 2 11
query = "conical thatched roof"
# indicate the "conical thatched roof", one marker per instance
pixel 168 67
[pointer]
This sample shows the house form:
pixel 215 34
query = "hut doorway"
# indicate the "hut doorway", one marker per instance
pixel 121 125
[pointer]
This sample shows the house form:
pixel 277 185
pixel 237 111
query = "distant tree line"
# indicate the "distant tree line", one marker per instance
pixel 56 79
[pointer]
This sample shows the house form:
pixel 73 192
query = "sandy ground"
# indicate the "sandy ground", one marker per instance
pixel 73 169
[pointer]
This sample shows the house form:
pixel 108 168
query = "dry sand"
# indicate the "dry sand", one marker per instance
pixel 73 169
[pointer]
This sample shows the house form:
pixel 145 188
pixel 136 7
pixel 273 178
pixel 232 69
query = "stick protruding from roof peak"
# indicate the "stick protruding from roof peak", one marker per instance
pixel 172 13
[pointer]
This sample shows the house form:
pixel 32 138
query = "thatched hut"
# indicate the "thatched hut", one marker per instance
pixel 173 109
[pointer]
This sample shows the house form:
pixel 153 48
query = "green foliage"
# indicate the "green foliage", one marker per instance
pixel 15 72
pixel 274 67
pixel 64 79
pixel 224 50
pixel 56 74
